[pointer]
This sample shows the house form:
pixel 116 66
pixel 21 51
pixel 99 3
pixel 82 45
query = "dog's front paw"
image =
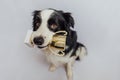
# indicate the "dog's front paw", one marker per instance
pixel 52 68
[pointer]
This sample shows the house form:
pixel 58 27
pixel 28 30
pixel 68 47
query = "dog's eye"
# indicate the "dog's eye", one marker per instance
pixel 53 26
pixel 38 24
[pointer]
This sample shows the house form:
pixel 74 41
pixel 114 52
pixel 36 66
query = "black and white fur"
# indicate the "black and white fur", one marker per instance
pixel 45 23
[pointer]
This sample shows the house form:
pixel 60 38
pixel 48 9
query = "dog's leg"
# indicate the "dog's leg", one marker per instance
pixel 69 72
pixel 52 67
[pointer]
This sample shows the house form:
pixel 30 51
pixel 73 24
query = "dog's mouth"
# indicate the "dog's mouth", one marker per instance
pixel 42 46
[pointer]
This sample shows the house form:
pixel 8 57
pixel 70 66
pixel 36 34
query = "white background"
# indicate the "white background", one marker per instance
pixel 98 27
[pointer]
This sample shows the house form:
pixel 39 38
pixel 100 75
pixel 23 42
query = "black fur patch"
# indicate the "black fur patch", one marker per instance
pixel 78 58
pixel 58 20
pixel 71 41
pixel 36 20
pixel 78 45
pixel 62 20
pixel 69 19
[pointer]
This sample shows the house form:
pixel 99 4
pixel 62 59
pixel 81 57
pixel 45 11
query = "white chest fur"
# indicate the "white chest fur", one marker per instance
pixel 57 60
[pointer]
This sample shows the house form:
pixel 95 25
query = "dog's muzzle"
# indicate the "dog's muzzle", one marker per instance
pixel 58 41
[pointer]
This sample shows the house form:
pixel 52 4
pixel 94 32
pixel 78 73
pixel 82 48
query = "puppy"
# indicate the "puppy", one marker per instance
pixel 45 24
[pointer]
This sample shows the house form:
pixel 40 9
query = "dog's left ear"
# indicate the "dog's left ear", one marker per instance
pixel 69 19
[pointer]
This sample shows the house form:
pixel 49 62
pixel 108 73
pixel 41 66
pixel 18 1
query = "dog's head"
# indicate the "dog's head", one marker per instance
pixel 48 21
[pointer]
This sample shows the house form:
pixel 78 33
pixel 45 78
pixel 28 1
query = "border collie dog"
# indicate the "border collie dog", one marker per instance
pixel 45 24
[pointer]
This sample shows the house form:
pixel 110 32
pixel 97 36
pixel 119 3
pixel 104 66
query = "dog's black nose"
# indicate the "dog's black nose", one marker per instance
pixel 38 40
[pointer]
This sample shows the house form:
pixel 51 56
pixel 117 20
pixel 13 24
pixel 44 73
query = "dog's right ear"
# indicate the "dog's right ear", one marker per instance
pixel 69 19
pixel 36 12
